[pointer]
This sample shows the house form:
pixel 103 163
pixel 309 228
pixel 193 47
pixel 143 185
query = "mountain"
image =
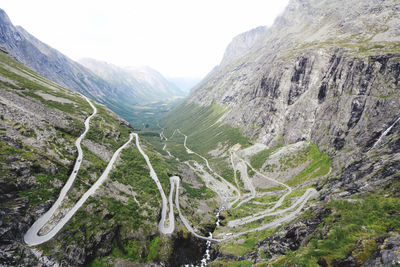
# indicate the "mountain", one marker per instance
pixel 286 154
pixel 121 96
pixel 297 63
pixel 243 43
pixel 164 87
pixel 50 62
pixel 150 93
pixel 311 102
pixel 147 84
pixel 41 123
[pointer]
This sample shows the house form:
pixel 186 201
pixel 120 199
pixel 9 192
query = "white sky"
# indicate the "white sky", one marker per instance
pixel 179 38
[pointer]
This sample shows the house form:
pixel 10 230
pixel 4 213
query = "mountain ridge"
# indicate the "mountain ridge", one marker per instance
pixel 326 73
pixel 243 43
pixel 150 85
pixel 57 67
pixel 256 60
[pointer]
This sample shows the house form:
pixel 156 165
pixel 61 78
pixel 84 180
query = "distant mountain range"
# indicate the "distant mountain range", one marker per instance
pixel 148 83
pixel 118 88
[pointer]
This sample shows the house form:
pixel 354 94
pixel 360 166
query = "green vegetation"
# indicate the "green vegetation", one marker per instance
pixel 362 219
pixel 199 193
pixel 127 203
pixel 258 159
pixel 39 166
pixel 268 198
pixel 220 263
pixel 318 166
pixel 23 130
pixel 248 209
pixel 289 200
pixel 223 167
pixel 250 172
pixel 201 126
pixel 138 251
pixel 97 165
pixel 154 138
pixel 100 263
pixel 107 130
pixel 136 174
pixel 45 189
pixel 245 244
pixel 240 183
pixel 271 189
pixel 28 83
pixel 109 212
pixel 143 116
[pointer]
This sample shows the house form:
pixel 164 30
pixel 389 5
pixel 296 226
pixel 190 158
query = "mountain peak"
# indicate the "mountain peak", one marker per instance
pixel 243 43
pixel 4 19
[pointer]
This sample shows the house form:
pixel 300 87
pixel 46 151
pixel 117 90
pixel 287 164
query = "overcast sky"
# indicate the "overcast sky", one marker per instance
pixel 179 38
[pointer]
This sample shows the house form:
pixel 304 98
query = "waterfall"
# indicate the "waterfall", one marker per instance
pixel 207 256
pixel 385 133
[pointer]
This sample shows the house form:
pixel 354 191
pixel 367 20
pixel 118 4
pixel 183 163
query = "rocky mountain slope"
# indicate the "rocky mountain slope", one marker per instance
pixel 288 154
pixel 40 122
pixel 243 43
pixel 326 73
pixel 121 96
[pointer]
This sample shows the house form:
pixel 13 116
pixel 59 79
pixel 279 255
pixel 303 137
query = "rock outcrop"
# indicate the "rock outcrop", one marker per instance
pixel 243 43
pixel 299 83
pixel 326 72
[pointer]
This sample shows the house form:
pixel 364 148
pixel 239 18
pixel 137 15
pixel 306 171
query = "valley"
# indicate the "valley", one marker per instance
pixel 286 154
pixel 226 189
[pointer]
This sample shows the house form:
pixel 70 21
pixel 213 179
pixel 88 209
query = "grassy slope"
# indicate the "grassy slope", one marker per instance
pixel 24 86
pixel 201 126
pixel 109 213
pixel 349 223
pixel 204 133
pixel 106 130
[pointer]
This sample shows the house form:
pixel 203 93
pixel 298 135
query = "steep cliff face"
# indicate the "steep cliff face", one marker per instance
pixel 328 73
pixel 243 43
pixel 329 96
pixel 304 84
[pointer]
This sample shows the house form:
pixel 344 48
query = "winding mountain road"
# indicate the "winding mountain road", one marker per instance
pixel 32 238
pixel 161 225
pixel 174 186
pixel 229 185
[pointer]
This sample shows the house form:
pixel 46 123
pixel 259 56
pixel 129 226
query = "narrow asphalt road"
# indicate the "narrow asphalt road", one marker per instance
pixel 285 216
pixel 32 238
pixel 161 225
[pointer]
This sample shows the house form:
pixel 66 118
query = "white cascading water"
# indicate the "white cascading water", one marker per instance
pixel 207 256
pixel 385 133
